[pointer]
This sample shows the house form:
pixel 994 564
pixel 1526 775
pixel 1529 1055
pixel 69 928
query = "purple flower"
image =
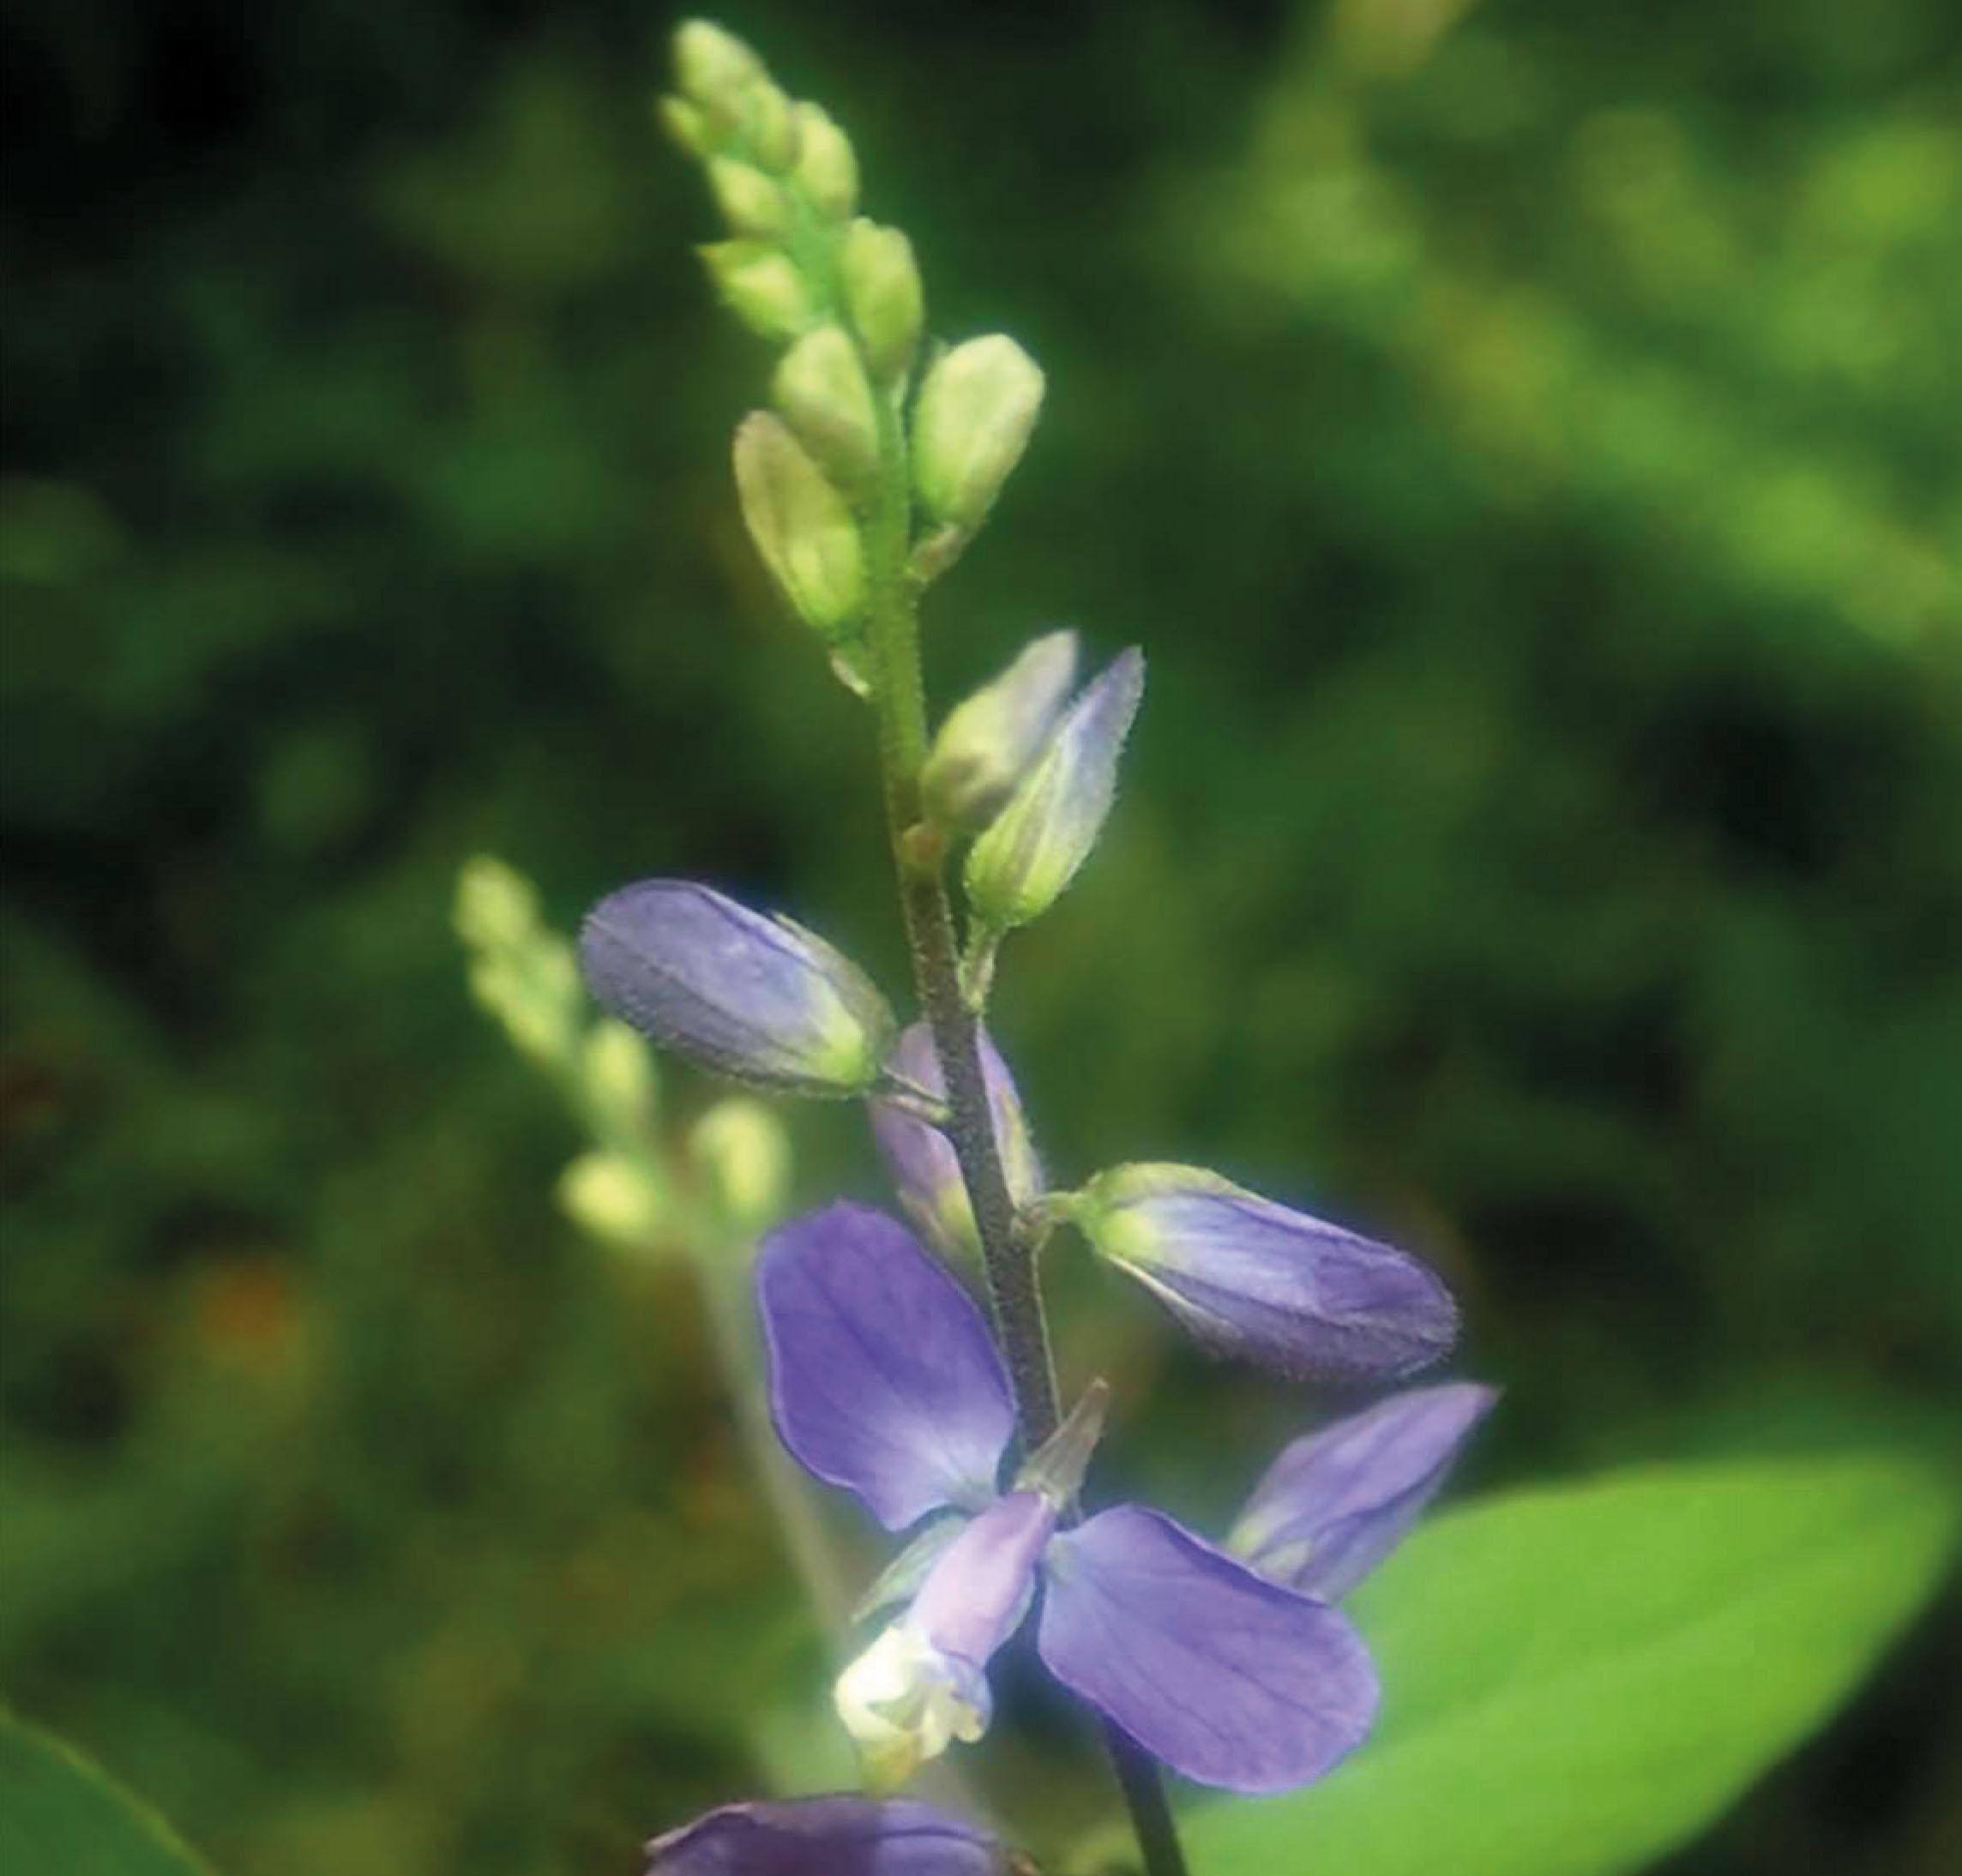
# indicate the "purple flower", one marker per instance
pixel 1250 1279
pixel 838 1836
pixel 884 1380
pixel 760 999
pixel 1031 850
pixel 921 1158
pixel 1335 1503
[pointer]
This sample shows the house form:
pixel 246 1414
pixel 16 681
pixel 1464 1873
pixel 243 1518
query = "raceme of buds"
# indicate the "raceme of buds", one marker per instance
pixel 1250 1279
pixel 1032 848
pixel 837 1835
pixel 921 1158
pixel 759 1000
pixel 883 297
pixel 800 524
pixel 989 740
pixel 1335 1503
pixel 827 167
pixel 821 386
pixel 760 284
pixel 971 422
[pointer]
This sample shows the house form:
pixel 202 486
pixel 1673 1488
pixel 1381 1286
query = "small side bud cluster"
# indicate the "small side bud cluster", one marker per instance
pixel 520 971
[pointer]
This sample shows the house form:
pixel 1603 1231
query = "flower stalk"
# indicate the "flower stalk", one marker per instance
pixel 1008 1250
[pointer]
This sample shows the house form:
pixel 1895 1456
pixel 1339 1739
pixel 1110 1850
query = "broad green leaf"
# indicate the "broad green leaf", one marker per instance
pixel 1577 1680
pixel 57 1811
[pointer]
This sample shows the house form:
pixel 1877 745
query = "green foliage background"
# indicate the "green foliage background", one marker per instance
pixel 1522 437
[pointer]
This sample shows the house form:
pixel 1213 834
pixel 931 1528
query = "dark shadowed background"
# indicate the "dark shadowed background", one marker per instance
pixel 1523 438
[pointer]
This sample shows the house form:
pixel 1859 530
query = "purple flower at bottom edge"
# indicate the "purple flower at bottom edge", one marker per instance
pixel 884 1380
pixel 836 1836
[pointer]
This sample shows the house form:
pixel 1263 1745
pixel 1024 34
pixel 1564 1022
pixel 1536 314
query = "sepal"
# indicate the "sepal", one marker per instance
pixel 988 741
pixel 1031 850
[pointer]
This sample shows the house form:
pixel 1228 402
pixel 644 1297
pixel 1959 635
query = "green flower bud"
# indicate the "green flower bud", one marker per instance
pixel 988 742
pixel 761 286
pixel 971 423
pixel 821 387
pixel 769 122
pixel 750 202
pixel 827 167
pixel 799 522
pixel 714 67
pixel 687 124
pixel 882 295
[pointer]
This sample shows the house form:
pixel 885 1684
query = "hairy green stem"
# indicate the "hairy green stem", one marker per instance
pixel 1008 1251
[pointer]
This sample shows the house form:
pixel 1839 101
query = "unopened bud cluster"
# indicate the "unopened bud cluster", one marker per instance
pixel 619 1190
pixel 841 295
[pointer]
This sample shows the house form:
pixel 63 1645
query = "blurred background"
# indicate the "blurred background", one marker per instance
pixel 1522 436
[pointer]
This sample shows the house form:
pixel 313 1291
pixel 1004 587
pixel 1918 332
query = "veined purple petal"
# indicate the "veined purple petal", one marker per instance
pixel 1252 1279
pixel 883 1378
pixel 844 1835
pixel 757 999
pixel 921 1158
pixel 1229 1679
pixel 1335 1503
pixel 1031 850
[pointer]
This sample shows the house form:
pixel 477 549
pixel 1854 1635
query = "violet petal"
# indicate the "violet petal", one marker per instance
pixel 1335 1503
pixel 760 999
pixel 883 1378
pixel 844 1835
pixel 921 1159
pixel 1253 1279
pixel 1229 1679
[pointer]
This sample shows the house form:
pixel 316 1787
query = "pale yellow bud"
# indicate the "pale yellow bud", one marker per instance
pixel 742 1148
pixel 826 165
pixel 750 202
pixel 619 1075
pixel 762 286
pixel 712 66
pixel 495 904
pixel 613 1197
pixel 687 124
pixel 971 423
pixel 821 387
pixel 883 297
pixel 799 522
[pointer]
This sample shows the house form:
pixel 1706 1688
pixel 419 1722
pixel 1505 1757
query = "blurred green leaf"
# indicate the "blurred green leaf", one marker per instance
pixel 1576 1679
pixel 58 1811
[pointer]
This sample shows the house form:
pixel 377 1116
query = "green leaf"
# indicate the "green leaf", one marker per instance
pixel 58 1811
pixel 1577 1680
